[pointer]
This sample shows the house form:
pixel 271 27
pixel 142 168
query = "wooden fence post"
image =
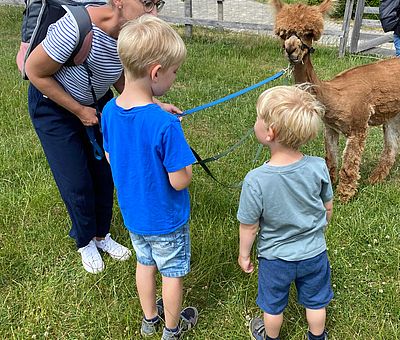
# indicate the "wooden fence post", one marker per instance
pixel 188 14
pixel 346 27
pixel 357 26
pixel 220 10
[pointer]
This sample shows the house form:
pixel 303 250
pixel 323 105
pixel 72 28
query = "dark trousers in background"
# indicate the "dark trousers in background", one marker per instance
pixel 85 184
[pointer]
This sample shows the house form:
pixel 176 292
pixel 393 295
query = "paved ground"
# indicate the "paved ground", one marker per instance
pixel 248 11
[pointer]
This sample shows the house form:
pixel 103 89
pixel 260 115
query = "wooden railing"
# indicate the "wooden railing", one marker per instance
pixel 359 21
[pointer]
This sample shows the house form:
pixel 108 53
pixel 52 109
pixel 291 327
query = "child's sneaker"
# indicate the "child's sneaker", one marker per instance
pixel 160 308
pixel 149 328
pixel 257 329
pixel 117 251
pixel 189 316
pixel 168 335
pixel 323 336
pixel 91 258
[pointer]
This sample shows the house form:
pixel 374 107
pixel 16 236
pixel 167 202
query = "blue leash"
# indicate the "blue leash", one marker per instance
pixel 97 150
pixel 233 95
pixel 202 162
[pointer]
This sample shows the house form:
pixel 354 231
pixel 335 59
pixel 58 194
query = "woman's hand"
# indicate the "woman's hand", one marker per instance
pixel 170 108
pixel 167 107
pixel 87 115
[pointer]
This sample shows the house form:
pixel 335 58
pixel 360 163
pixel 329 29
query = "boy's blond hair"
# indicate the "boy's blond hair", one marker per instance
pixel 147 41
pixel 293 113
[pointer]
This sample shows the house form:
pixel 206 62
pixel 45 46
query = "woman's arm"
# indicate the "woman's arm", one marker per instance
pixel 120 84
pixel 40 69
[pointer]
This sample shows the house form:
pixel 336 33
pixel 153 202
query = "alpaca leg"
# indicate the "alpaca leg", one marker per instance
pixel 350 171
pixel 331 151
pixel 391 135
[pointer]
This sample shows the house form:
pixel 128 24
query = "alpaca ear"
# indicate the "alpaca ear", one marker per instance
pixel 278 4
pixel 325 6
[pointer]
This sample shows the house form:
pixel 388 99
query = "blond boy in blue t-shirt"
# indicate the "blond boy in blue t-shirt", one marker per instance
pixel 151 164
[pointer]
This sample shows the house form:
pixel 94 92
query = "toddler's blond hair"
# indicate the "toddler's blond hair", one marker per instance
pixel 293 113
pixel 147 41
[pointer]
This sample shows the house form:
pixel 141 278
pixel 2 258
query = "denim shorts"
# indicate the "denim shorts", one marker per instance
pixel 312 278
pixel 170 253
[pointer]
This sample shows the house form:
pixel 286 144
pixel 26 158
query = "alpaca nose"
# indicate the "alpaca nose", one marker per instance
pixel 290 49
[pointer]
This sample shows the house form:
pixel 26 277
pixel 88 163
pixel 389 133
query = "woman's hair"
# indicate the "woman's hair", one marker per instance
pixel 293 113
pixel 148 41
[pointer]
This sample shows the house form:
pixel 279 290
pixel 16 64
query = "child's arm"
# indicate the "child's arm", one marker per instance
pixel 329 210
pixel 181 179
pixel 247 234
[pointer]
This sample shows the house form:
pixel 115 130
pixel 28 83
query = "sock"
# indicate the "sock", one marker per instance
pixel 173 330
pixel 311 336
pixel 269 338
pixel 153 320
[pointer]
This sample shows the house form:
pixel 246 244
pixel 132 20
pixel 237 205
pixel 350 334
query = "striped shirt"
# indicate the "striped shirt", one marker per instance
pixel 103 60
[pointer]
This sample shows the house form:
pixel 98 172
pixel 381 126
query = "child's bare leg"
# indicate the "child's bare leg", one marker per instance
pixel 172 292
pixel 316 320
pixel 273 324
pixel 146 286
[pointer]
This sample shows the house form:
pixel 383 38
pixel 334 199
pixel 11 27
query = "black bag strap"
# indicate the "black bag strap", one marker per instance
pixel 97 151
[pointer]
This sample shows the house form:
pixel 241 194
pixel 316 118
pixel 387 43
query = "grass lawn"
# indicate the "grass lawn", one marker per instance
pixel 45 293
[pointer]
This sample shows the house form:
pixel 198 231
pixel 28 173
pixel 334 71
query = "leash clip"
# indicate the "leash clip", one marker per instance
pixel 97 150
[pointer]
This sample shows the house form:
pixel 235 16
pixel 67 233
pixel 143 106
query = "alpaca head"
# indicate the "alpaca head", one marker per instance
pixel 298 25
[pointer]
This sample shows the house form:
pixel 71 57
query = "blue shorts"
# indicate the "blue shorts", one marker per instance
pixel 170 252
pixel 312 278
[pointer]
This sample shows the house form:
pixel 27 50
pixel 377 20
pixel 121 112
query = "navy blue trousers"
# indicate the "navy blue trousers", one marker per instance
pixel 85 183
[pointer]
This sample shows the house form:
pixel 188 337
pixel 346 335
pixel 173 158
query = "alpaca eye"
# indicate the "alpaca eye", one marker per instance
pixel 309 36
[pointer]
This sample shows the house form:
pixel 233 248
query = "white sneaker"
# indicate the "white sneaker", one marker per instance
pixel 91 258
pixel 117 251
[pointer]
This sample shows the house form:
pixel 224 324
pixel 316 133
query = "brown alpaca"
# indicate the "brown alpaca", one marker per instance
pixel 363 96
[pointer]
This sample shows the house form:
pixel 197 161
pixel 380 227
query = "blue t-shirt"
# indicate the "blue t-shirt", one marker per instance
pixel 288 202
pixel 144 144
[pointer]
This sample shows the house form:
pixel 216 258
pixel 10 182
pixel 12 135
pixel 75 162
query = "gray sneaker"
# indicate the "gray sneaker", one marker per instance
pixel 168 335
pixel 189 317
pixel 257 329
pixel 160 308
pixel 150 328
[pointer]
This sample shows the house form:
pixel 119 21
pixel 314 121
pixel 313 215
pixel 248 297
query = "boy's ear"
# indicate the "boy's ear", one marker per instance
pixel 270 134
pixel 154 72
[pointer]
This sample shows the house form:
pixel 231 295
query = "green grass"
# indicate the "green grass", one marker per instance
pixel 44 291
